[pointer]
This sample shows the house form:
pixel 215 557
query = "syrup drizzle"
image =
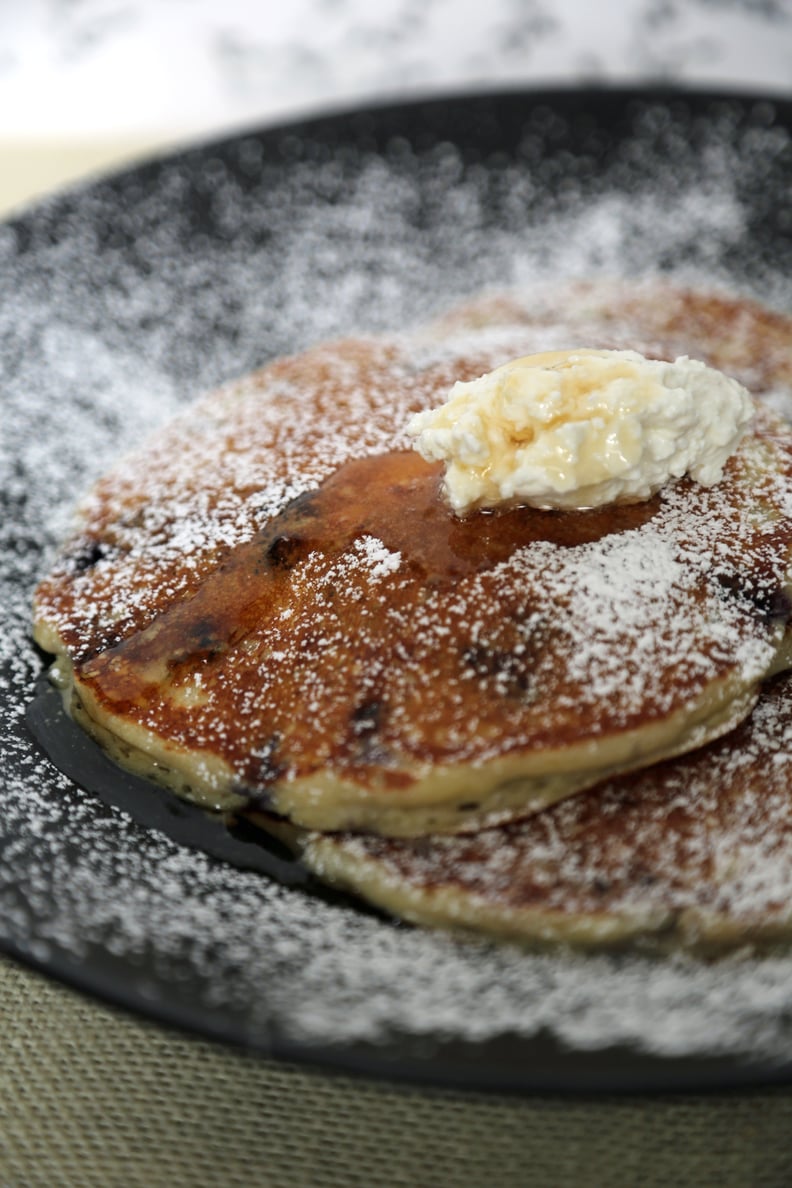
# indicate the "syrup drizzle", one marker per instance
pixel 392 497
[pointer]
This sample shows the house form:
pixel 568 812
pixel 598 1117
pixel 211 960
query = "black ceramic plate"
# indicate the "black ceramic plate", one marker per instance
pixel 119 302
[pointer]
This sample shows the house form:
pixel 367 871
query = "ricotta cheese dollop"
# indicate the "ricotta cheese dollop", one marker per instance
pixel 582 428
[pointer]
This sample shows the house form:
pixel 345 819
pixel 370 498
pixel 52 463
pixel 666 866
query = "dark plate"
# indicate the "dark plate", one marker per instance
pixel 118 302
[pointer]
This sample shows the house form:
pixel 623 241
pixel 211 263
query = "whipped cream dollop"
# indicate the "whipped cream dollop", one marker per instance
pixel 582 428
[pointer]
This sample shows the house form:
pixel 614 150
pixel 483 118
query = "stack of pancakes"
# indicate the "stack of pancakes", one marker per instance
pixel 545 725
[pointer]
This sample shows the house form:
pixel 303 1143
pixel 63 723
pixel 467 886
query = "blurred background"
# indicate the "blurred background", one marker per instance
pixel 88 84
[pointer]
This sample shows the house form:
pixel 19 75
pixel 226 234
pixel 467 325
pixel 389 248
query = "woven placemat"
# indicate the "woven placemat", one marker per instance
pixel 96 1099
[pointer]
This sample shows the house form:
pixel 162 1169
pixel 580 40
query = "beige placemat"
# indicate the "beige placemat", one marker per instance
pixel 94 1099
pixel 30 169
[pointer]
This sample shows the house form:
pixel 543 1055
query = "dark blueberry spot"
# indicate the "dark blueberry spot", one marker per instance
pixel 779 606
pixel 728 582
pixel 284 551
pixel 601 886
pixel 367 718
pixel 268 769
pixel 468 806
pixel 366 723
pixel 771 605
pixel 88 554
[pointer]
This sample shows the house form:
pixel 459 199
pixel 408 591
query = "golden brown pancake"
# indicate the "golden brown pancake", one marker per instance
pixel 693 853
pixel 271 606
pixel 735 334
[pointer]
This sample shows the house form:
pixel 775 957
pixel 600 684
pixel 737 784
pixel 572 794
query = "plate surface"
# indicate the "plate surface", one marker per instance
pixel 121 301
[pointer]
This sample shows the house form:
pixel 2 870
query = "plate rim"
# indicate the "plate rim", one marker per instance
pixel 656 90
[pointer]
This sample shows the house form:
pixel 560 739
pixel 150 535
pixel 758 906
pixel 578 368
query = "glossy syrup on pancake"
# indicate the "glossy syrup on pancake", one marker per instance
pixel 272 607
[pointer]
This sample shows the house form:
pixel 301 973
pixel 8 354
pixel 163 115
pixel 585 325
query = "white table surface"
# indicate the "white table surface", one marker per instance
pixel 88 83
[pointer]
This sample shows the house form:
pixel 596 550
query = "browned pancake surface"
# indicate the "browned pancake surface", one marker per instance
pixel 734 334
pixel 275 582
pixel 694 852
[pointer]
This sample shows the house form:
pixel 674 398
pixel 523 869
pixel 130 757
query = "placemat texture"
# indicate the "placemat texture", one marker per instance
pixel 31 168
pixel 94 1099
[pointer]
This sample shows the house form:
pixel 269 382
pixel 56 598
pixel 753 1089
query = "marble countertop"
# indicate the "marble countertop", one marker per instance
pixel 159 70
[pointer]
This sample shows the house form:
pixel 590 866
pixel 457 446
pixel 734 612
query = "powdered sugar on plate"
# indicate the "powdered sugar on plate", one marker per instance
pixel 123 301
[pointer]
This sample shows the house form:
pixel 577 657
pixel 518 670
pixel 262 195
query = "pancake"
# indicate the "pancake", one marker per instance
pixel 270 607
pixel 694 853
pixel 734 334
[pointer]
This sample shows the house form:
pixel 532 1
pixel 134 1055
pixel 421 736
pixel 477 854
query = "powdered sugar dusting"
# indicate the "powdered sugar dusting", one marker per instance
pixel 562 640
pixel 120 304
pixel 379 560
pixel 697 851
